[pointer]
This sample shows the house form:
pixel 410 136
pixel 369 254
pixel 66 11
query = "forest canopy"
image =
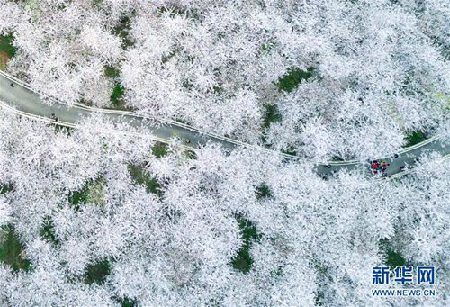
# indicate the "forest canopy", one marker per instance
pixel 106 215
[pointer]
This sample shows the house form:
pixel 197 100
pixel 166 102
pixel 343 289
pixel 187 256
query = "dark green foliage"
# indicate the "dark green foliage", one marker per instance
pixel 47 231
pixel 141 177
pixel 271 115
pixel 5 188
pixel 98 3
pixel 289 151
pixel 118 89
pixel 414 138
pixel 122 29
pixel 111 72
pixel 243 261
pixel 6 45
pixel 78 197
pixel 293 78
pixel 11 249
pixel 217 90
pixel 190 154
pixel 117 94
pixel 263 191
pixel 97 272
pixel 84 194
pixel 172 11
pixel 61 6
pixel 126 302
pixel 159 150
pixel 390 256
pixel 394 259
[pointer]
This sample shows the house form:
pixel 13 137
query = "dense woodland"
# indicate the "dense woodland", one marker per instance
pixel 102 215
pixel 98 217
pixel 315 78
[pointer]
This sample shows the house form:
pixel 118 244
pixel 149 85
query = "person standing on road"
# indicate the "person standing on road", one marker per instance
pixel 375 165
pixel 384 166
pixel 54 117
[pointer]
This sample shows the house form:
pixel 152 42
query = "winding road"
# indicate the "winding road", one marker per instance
pixel 20 98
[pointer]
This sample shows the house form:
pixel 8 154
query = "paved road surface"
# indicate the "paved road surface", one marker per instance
pixel 21 98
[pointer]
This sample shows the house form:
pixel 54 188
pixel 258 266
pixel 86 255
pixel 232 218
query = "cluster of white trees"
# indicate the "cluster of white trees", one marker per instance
pixel 64 45
pixel 103 215
pixel 102 221
pixel 377 69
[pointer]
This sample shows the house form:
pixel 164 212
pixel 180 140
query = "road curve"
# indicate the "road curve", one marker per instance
pixel 19 97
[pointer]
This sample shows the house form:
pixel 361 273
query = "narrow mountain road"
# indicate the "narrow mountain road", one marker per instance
pixel 22 99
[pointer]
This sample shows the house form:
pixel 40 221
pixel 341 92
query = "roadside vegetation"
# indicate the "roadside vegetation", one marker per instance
pixel 414 138
pixel 7 50
pixel 117 91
